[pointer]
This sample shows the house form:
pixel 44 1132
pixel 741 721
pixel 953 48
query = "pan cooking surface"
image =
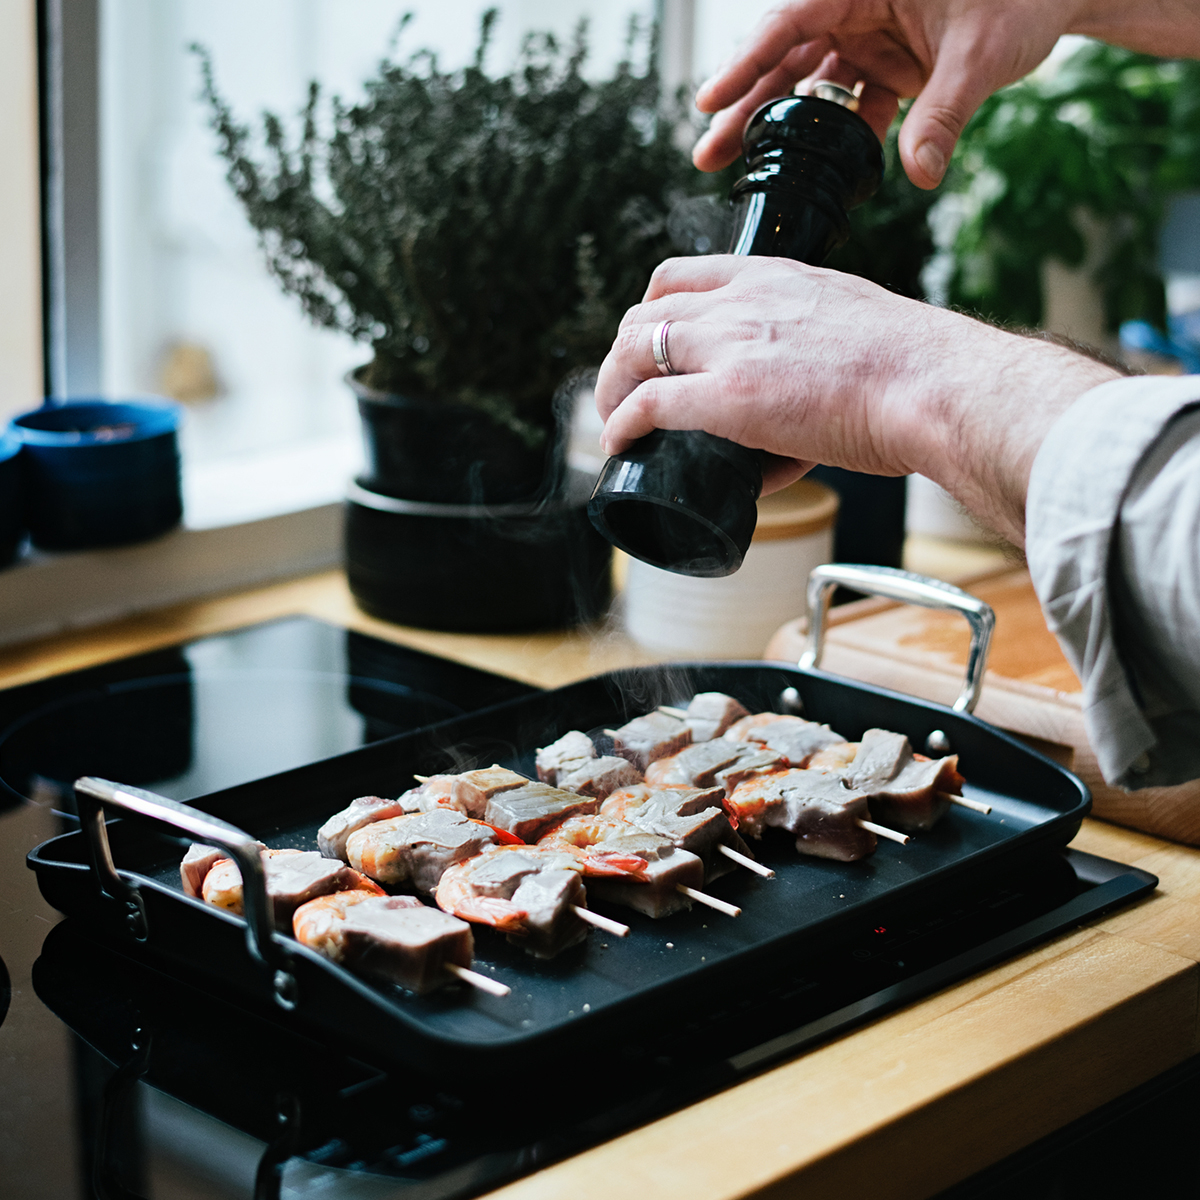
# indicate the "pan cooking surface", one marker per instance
pixel 666 965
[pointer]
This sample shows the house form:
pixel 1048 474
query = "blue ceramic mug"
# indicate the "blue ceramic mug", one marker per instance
pixel 12 517
pixel 100 473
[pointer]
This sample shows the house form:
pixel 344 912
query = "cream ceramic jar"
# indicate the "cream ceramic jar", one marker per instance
pixel 734 617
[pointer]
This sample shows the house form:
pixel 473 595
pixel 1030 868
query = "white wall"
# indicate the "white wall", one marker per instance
pixel 20 254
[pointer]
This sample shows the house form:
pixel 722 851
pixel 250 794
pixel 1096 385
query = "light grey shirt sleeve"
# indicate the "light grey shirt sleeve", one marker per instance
pixel 1112 524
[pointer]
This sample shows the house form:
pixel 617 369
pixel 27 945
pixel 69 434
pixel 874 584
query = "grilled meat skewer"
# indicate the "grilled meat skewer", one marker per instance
pixel 394 938
pixel 293 877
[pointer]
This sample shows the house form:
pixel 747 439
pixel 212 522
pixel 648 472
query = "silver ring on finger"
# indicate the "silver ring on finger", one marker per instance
pixel 659 344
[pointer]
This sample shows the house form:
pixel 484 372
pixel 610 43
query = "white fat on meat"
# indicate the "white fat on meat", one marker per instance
pixel 570 753
pixel 293 877
pixel 709 714
pixel 392 938
pixel 331 837
pixel 416 848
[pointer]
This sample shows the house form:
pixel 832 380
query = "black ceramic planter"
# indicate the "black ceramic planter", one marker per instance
pixel 477 569
pixel 100 474
pixel 12 518
pixel 419 449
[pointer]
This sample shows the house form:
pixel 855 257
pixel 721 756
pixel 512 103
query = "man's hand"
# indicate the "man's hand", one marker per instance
pixel 950 54
pixel 816 366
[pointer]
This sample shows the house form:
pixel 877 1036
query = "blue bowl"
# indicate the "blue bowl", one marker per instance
pixel 99 473
pixel 12 517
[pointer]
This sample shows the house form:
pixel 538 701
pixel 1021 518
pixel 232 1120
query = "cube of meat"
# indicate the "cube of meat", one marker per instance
pixel 600 776
pixel 696 765
pixel 904 790
pixel 682 801
pixel 699 833
pixel 529 811
pixel 418 847
pixel 743 729
pixel 528 892
pixel 320 924
pixel 709 714
pixel 551 924
pixel 390 938
pixel 293 877
pixel 795 739
pixel 197 863
pixel 823 814
pixel 647 739
pixel 331 837
pixel 570 753
pixel 750 763
pixel 655 892
pixel 467 793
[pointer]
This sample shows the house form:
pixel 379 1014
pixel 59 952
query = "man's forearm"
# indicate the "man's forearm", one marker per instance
pixel 1167 28
pixel 980 423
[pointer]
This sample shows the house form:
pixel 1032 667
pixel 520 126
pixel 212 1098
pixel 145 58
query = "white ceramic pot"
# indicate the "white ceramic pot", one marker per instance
pixel 734 617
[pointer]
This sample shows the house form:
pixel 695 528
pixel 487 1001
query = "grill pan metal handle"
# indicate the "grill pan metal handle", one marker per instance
pixel 908 588
pixel 93 796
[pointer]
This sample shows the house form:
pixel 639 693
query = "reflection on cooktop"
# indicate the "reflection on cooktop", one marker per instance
pixel 223 710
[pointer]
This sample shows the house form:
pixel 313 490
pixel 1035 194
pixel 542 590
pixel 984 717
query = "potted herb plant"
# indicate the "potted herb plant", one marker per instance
pixel 483 234
pixel 1111 135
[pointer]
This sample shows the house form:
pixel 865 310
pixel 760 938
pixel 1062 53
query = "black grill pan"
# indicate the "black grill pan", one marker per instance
pixel 607 993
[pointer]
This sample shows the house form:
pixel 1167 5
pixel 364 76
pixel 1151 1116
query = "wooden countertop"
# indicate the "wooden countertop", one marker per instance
pixel 901 1108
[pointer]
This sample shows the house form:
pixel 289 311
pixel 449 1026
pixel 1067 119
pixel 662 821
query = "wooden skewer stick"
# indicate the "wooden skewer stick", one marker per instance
pixel 882 831
pixel 422 778
pixel 612 733
pixel 748 863
pixel 493 987
pixel 730 910
pixel 609 926
pixel 973 805
pixel 681 713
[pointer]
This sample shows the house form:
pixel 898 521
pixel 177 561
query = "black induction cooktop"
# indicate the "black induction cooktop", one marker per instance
pixel 223 710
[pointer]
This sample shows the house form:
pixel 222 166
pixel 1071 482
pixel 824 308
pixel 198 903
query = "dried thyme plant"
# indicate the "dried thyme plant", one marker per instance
pixel 484 235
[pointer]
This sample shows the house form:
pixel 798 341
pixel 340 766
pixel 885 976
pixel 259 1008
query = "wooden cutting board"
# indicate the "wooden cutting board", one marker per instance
pixel 1029 687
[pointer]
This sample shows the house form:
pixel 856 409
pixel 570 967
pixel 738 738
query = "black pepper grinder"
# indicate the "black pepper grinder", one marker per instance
pixel 685 500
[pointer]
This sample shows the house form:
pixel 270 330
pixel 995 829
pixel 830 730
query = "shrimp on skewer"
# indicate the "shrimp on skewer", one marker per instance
pixel 293 877
pixel 418 847
pixel 529 893
pixel 694 820
pixel 469 792
pixel 394 938
pixel 666 882
pixel 594 841
pixel 197 862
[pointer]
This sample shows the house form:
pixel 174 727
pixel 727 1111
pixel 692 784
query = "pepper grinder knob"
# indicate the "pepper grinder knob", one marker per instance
pixel 687 501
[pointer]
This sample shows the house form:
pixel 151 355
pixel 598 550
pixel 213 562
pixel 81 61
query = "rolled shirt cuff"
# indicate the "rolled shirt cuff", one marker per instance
pixel 1079 481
